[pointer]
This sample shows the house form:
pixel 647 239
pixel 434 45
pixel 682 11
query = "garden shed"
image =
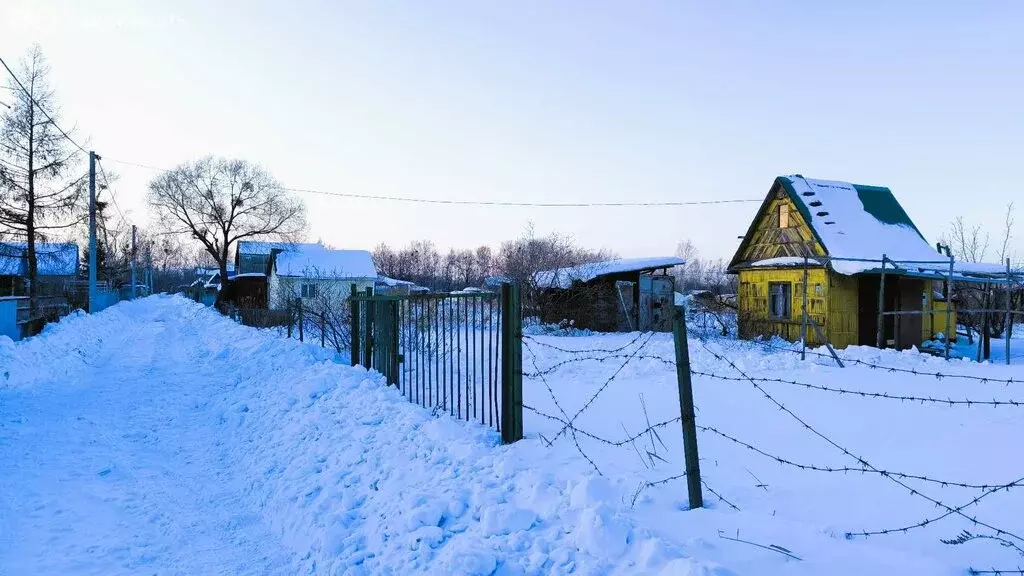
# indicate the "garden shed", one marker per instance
pixel 611 296
pixel 855 245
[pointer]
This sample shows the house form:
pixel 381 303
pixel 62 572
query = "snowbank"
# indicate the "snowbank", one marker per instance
pixel 342 470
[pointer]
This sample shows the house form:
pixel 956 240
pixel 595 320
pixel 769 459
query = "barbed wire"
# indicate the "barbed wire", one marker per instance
pixel 893 369
pixel 559 365
pixel 834 389
pixel 994 572
pixel 602 440
pixel 533 360
pixel 859 459
pixel 588 350
pixel 604 386
pixel 947 513
pixel 884 395
pixel 844 469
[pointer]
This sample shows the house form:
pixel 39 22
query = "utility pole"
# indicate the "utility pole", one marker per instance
pixel 92 231
pixel 133 261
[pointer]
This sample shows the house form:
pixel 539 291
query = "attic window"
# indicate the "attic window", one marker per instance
pixel 783 216
pixel 822 213
pixel 816 203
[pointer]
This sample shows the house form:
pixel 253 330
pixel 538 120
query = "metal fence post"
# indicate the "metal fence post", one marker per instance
pixel 354 309
pixel 949 305
pixel 1008 321
pixel 880 337
pixel 368 331
pixel 803 323
pixel 393 323
pixel 686 410
pixel 511 365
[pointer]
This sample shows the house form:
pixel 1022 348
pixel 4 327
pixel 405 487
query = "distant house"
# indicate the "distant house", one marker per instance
pixel 309 271
pixel 55 265
pixel 255 256
pixel 843 230
pixel 617 295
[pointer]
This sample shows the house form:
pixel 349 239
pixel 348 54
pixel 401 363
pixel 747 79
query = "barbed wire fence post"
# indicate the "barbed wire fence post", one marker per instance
pixel 686 411
pixel 511 364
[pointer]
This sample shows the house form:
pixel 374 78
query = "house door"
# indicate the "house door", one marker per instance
pixel 909 299
pixel 867 310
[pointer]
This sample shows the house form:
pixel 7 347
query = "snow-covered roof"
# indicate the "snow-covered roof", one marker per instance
pixel 856 221
pixel 393 281
pixel 780 261
pixel 51 259
pixel 307 260
pixel 255 247
pixel 564 277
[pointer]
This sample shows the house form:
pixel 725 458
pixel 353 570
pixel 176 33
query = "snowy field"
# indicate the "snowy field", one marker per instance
pixel 157 437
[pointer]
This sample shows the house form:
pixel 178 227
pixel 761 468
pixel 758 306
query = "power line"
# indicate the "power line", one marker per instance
pixel 41 109
pixel 113 197
pixel 496 203
pixel 519 204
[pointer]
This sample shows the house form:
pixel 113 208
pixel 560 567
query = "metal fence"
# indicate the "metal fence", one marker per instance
pixel 454 353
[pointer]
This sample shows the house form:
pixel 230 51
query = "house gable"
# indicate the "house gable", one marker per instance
pixel 767 238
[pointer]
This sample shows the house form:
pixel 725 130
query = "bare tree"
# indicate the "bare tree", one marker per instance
pixel 37 195
pixel 968 243
pixel 220 201
pixel 971 244
pixel 701 274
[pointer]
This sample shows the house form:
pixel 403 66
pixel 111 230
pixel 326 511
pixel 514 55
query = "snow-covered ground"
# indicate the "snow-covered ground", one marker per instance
pixel 157 437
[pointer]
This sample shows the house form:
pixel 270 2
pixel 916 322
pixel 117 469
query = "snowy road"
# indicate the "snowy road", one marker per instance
pixel 121 470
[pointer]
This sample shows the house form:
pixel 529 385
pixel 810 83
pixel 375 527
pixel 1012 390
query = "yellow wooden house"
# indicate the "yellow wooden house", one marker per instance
pixel 844 230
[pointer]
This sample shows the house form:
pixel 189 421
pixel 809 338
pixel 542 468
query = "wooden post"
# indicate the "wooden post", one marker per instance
pixel 949 305
pixel 1008 321
pixel 354 308
pixel 986 324
pixel 803 323
pixel 686 410
pixel 511 365
pixel 880 337
pixel 323 328
pixel 301 320
pixel 291 320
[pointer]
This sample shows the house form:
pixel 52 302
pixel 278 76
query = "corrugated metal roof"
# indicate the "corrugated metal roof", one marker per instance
pixel 51 259
pixel 564 277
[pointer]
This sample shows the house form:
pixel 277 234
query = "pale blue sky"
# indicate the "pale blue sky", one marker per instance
pixel 551 101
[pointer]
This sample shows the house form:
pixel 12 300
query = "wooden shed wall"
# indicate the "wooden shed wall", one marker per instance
pixel 754 319
pixel 768 240
pixel 831 303
pixel 590 305
pixel 843 310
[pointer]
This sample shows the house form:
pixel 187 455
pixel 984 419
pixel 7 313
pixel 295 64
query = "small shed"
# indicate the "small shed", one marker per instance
pixel 613 296
pixel 847 239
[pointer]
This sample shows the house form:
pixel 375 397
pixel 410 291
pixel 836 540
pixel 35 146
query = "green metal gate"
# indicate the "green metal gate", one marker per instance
pixel 457 353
